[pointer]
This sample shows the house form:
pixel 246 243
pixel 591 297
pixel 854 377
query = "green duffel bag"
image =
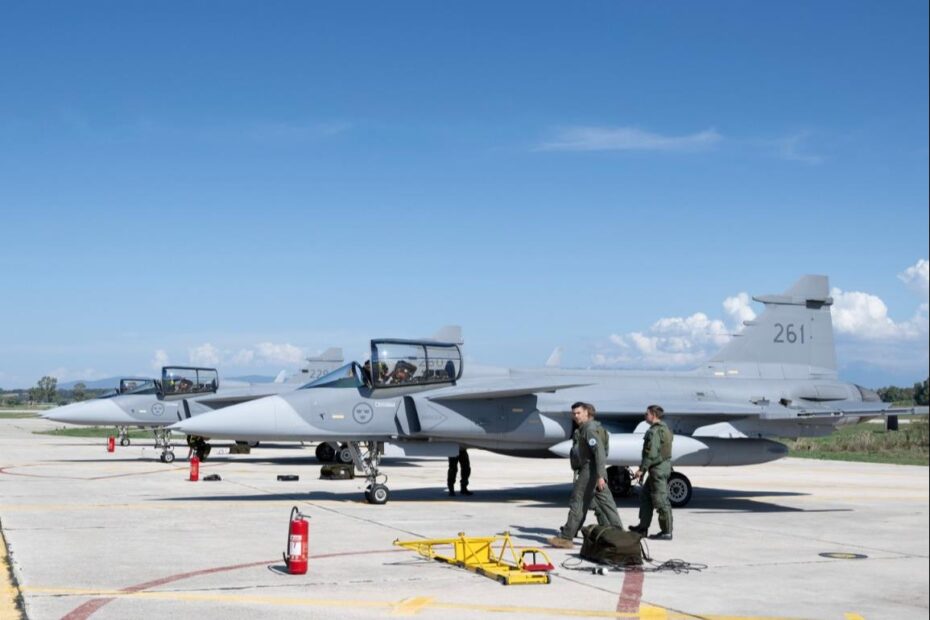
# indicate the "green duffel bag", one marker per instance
pixel 337 471
pixel 608 544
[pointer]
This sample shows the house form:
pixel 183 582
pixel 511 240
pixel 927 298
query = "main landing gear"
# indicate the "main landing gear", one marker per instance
pixel 163 441
pixel 367 456
pixel 328 452
pixel 679 490
pixel 620 483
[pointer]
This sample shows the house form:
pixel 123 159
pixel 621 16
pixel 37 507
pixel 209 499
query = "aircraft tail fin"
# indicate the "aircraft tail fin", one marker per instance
pixel 450 333
pixel 555 359
pixel 281 378
pixel 794 329
pixel 332 354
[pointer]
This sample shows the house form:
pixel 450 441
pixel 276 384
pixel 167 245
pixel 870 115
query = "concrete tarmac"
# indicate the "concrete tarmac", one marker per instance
pixel 122 535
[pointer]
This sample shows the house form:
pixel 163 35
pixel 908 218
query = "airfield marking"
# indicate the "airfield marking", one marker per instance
pixel 411 606
pixel 647 612
pixel 88 608
pixel 5 470
pixel 631 592
pixel 8 590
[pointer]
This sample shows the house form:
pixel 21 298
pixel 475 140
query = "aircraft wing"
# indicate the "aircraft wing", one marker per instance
pixel 508 388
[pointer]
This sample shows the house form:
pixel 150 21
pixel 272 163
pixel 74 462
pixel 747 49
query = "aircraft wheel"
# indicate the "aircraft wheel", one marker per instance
pixel 325 453
pixel 679 490
pixel 124 441
pixel 344 455
pixel 378 494
pixel 619 481
pixel 168 457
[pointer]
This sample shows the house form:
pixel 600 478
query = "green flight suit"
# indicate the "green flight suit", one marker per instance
pixel 657 461
pixel 589 460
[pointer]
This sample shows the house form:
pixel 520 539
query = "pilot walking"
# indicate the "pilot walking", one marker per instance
pixel 589 461
pixel 657 462
pixel 454 462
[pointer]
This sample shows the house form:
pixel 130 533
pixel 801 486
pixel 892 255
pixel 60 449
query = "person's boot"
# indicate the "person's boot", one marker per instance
pixel 451 491
pixel 560 543
pixel 661 536
pixel 465 490
pixel 638 529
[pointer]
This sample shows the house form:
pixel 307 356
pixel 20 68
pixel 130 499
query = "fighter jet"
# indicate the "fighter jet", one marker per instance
pixel 776 378
pixel 182 392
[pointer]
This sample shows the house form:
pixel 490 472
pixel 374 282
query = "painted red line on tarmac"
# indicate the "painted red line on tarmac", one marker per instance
pixel 85 610
pixel 3 470
pixel 632 591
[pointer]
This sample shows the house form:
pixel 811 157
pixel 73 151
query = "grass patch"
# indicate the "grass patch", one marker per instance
pixel 93 431
pixel 869 443
pixel 15 415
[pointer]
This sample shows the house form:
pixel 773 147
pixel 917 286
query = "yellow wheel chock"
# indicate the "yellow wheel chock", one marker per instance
pixel 478 555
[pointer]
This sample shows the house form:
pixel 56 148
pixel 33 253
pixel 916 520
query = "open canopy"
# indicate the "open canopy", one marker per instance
pixel 398 363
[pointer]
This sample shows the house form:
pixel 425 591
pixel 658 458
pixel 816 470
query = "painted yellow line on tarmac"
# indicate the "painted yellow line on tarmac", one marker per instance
pixel 8 592
pixel 852 616
pixel 409 606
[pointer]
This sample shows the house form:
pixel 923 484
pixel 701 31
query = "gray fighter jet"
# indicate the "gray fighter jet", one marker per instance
pixel 182 392
pixel 777 378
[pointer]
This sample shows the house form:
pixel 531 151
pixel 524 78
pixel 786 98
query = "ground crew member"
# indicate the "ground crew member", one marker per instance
pixel 454 462
pixel 657 462
pixel 589 460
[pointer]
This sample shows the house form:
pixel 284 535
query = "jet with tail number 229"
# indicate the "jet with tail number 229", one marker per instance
pixel 777 378
pixel 182 391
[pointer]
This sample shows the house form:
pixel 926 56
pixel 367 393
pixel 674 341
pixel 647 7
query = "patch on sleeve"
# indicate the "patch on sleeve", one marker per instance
pixel 592 442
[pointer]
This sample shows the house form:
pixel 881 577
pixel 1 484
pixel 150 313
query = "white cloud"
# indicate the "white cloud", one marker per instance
pixel 865 316
pixel 739 309
pixel 916 277
pixel 204 355
pixel 676 341
pixel 627 139
pixel 243 358
pixel 791 148
pixel 160 359
pixel 279 353
pixel 861 323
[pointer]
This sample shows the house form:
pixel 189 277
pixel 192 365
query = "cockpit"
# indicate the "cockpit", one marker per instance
pixel 398 363
pixel 187 380
pixel 136 385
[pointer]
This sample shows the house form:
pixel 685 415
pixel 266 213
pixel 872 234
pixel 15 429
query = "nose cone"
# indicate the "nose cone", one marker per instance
pixel 251 420
pixel 103 411
pixel 562 449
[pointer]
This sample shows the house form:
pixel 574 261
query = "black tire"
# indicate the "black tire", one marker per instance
pixel 344 455
pixel 168 457
pixel 325 453
pixel 161 457
pixel 124 441
pixel 378 495
pixel 679 490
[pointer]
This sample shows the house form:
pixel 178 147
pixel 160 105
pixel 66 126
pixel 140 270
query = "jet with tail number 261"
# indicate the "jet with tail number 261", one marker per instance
pixel 777 378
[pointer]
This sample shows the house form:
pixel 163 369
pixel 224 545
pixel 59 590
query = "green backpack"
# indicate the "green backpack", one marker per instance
pixel 609 544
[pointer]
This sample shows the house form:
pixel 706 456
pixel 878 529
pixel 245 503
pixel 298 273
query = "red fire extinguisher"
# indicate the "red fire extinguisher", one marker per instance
pixel 195 469
pixel 111 443
pixel 298 535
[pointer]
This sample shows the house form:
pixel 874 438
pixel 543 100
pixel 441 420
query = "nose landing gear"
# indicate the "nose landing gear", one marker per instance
pixel 367 456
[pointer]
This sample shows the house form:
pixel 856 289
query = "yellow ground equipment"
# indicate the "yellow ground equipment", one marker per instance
pixel 478 555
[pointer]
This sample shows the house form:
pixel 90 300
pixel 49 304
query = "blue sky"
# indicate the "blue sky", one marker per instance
pixel 244 183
